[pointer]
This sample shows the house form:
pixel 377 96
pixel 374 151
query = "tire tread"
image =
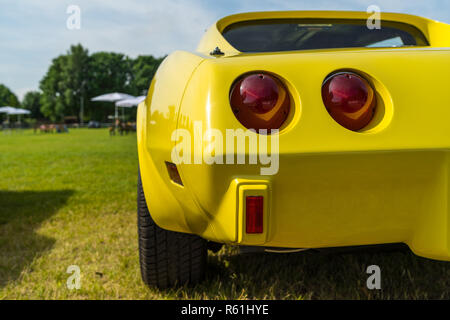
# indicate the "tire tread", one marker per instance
pixel 167 258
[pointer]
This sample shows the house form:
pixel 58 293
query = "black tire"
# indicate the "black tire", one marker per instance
pixel 167 258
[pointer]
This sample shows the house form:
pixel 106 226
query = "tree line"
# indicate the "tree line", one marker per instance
pixel 75 77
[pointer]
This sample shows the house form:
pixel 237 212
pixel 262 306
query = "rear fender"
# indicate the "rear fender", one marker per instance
pixel 156 121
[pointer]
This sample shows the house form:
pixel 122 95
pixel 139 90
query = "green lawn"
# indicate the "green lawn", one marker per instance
pixel 69 199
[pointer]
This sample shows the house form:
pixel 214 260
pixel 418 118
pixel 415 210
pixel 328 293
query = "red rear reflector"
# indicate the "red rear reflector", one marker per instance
pixel 254 214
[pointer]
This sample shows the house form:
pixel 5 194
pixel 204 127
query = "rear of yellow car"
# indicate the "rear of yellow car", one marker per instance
pixel 360 155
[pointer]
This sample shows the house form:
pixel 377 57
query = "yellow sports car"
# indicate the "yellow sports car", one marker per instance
pixel 296 130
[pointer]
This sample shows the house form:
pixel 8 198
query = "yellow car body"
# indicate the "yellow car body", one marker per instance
pixel 388 183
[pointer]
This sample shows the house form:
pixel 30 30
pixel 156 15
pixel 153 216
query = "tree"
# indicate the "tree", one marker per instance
pixel 143 70
pixel 108 72
pixel 32 102
pixel 77 73
pixel 7 97
pixel 76 77
pixel 63 85
pixel 52 102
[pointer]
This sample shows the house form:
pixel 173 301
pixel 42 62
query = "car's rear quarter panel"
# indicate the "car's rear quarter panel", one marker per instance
pixel 156 120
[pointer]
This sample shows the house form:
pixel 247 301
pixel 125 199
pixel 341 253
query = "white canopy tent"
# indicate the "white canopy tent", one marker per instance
pixel 19 112
pixel 13 111
pixel 7 109
pixel 113 97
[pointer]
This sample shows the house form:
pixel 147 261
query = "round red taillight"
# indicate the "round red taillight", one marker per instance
pixel 349 99
pixel 260 101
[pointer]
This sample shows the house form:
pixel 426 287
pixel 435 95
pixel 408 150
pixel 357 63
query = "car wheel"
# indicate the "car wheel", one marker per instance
pixel 167 258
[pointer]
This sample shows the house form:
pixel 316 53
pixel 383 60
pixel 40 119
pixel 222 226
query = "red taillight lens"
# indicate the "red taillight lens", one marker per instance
pixel 349 99
pixel 259 93
pixel 254 214
pixel 260 101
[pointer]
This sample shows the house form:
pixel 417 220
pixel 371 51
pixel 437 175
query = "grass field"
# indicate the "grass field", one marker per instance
pixel 69 199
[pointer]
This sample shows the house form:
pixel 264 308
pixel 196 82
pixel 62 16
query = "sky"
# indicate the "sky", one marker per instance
pixel 33 32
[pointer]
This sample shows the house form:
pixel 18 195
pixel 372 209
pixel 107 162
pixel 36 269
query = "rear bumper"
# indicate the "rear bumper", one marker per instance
pixel 314 201
pixel 329 200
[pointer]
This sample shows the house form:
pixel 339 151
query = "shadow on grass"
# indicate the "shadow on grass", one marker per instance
pixel 21 213
pixel 319 275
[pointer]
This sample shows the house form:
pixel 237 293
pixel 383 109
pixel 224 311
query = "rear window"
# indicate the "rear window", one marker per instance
pixel 303 34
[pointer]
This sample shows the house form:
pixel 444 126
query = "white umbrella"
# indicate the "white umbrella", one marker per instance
pixel 130 102
pixel 113 97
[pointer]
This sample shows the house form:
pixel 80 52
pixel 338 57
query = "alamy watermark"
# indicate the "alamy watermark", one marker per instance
pixel 211 147
pixel 374 20
pixel 74 280
pixel 73 22
pixel 374 280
